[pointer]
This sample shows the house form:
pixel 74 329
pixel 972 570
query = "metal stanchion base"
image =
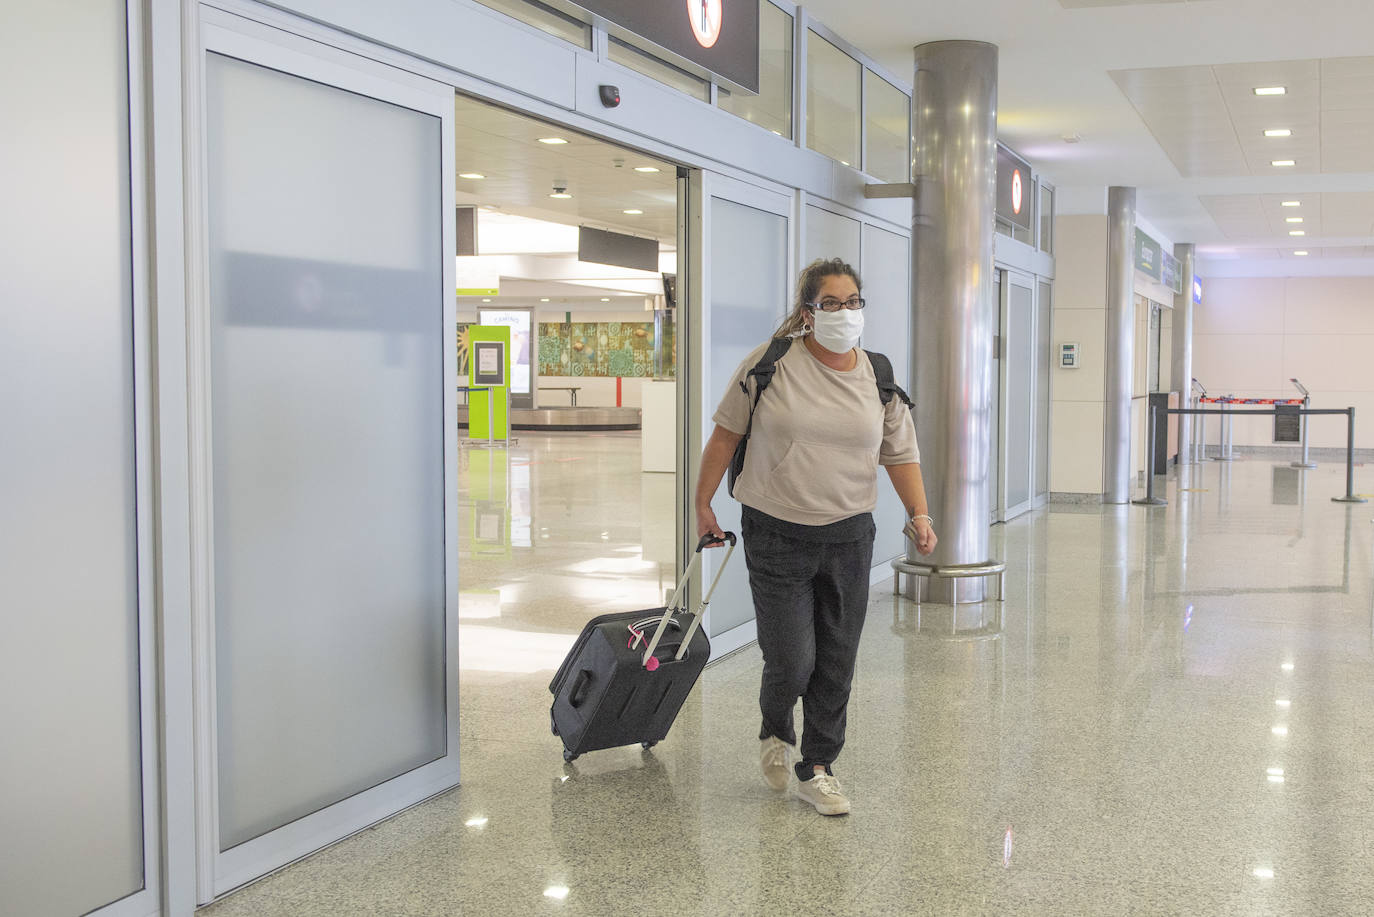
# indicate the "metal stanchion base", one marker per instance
pixel 1150 501
pixel 1349 500
pixel 1302 464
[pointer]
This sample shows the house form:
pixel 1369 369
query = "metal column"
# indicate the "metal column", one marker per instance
pixel 1182 358
pixel 1120 344
pixel 953 316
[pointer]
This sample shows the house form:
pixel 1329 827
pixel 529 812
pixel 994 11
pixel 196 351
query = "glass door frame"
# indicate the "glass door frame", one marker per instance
pixel 225 33
pixel 1002 511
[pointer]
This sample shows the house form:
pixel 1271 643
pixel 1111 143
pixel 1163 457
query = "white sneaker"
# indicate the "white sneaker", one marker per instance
pixel 823 791
pixel 775 756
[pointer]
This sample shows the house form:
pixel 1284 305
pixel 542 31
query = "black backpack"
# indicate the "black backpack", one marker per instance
pixel 763 374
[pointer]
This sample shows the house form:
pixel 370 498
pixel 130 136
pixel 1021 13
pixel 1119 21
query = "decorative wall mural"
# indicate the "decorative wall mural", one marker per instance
pixel 602 349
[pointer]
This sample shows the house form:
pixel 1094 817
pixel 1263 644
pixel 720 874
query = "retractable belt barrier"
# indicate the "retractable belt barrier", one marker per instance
pixel 1155 411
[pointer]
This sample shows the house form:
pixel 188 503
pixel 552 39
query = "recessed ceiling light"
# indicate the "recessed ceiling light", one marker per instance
pixel 646 168
pixel 472 175
pixel 1278 132
pixel 544 299
pixel 561 196
pixel 1301 254
pixel 1283 162
pixel 1292 203
pixel 552 141
pixel 605 299
pixel 632 212
pixel 486 300
pixel 1296 232
pixel 1270 90
pixel 1292 219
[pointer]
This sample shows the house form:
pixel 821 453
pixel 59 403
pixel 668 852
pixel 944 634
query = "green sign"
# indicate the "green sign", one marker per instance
pixel 1149 258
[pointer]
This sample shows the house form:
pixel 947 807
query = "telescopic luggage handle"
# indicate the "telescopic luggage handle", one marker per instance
pixel 673 605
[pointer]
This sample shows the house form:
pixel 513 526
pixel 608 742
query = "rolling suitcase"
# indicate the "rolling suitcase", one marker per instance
pixel 622 683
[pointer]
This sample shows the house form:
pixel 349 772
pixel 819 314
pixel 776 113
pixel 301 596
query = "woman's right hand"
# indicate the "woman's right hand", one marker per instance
pixel 707 524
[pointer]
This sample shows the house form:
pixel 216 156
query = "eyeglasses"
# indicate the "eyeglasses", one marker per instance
pixel 835 305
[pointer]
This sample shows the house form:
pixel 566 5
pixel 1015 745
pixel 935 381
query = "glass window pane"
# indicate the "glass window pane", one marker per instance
pixel 545 19
pixel 72 803
pixel 832 101
pixel 660 70
pixel 772 107
pixel 887 120
pixel 829 235
pixel 1020 355
pixel 1047 219
pixel 327 442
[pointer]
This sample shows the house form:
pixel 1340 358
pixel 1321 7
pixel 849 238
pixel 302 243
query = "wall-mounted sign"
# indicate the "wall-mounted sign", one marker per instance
pixel 709 37
pixel 1147 256
pixel 1013 175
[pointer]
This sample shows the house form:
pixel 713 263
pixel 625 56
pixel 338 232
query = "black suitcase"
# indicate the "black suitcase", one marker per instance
pixel 628 673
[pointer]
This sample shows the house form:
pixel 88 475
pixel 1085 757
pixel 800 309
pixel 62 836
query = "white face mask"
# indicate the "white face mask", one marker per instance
pixel 837 332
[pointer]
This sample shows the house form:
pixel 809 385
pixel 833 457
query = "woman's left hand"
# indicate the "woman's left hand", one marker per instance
pixel 921 534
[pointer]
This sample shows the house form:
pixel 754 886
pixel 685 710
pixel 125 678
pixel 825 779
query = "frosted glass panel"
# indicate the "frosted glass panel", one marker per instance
pixel 887 329
pixel 832 101
pixel 71 805
pixel 749 297
pixel 829 235
pixel 327 385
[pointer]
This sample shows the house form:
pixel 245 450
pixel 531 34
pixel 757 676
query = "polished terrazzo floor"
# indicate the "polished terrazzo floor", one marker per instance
pixel 1174 718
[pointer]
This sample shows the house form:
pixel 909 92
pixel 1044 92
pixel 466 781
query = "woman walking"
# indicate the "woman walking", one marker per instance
pixel 808 488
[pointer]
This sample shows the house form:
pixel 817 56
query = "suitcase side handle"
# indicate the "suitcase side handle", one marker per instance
pixel 579 689
pixel 706 539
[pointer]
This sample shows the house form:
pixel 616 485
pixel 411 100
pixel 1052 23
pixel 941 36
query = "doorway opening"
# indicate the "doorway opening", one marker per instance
pixel 571 243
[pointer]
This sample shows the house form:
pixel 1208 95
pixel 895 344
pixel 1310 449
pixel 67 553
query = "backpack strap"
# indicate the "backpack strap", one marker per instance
pixel 763 370
pixel 887 383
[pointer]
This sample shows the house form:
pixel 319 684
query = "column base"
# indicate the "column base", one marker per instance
pixel 962 584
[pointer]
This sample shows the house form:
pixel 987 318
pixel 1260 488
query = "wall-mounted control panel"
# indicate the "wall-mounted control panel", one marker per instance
pixel 1068 355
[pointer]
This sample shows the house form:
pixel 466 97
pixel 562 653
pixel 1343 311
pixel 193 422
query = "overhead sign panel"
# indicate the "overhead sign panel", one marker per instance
pixel 718 36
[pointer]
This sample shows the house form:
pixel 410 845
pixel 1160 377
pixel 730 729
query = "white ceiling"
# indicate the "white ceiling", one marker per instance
pixel 521 173
pixel 1161 94
pixel 532 237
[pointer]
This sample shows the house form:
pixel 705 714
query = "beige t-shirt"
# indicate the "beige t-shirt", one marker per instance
pixel 819 436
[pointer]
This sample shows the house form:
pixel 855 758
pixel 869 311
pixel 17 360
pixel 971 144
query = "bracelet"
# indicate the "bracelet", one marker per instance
pixel 929 521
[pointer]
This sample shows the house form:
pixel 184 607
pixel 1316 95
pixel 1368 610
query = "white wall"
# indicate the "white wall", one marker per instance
pixel 1078 396
pixel 1251 335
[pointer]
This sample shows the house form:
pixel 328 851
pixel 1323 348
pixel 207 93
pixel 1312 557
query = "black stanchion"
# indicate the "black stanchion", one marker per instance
pixel 1350 497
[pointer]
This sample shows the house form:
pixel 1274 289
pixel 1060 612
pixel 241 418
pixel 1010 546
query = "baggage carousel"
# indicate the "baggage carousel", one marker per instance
pixel 569 418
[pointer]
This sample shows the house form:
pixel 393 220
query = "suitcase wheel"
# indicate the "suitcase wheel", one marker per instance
pixel 569 756
pixel 647 745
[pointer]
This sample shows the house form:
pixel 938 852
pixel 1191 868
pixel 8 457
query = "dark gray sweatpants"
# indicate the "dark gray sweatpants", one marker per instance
pixel 810 586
